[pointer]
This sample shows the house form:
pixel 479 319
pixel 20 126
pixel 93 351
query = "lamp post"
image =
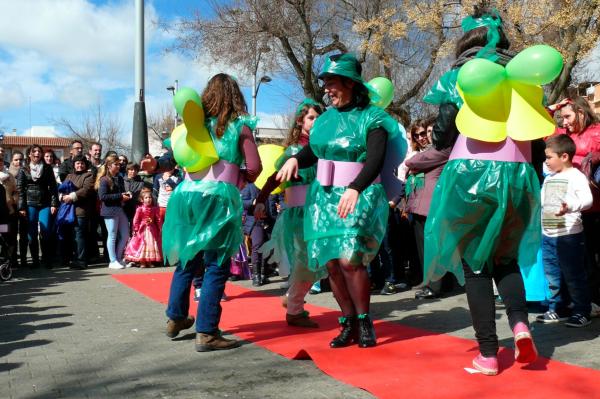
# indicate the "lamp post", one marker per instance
pixel 139 133
pixel 173 90
pixel 265 79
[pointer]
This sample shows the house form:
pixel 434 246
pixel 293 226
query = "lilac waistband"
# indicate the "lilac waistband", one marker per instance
pixel 296 195
pixel 339 173
pixel 220 171
pixel 508 150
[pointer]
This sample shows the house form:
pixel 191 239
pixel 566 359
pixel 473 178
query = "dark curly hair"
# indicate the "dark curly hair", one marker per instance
pixel 223 99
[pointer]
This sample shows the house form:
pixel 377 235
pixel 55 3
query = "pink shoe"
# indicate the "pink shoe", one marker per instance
pixel 525 351
pixel 487 365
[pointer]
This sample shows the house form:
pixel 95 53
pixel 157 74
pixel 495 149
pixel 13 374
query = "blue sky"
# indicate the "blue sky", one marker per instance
pixel 68 56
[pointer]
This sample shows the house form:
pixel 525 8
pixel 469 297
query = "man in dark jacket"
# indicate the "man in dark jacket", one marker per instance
pixel 66 167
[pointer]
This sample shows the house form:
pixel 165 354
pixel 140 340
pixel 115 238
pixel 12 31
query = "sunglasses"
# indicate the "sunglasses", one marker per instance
pixel 422 134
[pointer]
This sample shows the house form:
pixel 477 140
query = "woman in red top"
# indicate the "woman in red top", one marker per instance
pixel 583 126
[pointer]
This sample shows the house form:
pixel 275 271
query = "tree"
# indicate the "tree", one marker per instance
pixel 96 126
pixel 408 41
pixel 161 123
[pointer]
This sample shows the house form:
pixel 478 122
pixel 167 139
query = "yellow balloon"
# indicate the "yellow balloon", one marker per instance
pixel 198 138
pixel 269 154
pixel 511 109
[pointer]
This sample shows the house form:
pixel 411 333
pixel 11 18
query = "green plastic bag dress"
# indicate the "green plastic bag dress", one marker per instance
pixel 342 136
pixel 207 215
pixel 485 212
pixel 287 238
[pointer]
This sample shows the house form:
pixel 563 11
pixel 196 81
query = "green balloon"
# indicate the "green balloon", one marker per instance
pixel 536 65
pixel 480 76
pixel 182 96
pixel 384 89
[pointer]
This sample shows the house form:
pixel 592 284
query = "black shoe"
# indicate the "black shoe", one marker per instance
pixel 264 280
pixel 235 277
pixel 366 332
pixel 348 334
pixel 77 265
pixel 256 281
pixel 426 293
pixel 389 289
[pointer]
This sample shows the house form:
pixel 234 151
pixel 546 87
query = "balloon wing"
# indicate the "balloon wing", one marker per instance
pixel 510 103
pixel 269 154
pixel 192 144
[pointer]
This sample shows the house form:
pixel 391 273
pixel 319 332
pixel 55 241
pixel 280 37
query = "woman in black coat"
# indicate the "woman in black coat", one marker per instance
pixel 38 201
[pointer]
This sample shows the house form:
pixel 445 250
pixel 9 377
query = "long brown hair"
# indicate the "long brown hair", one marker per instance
pixel 583 113
pixel 419 123
pixel 103 170
pixel 293 136
pixel 222 98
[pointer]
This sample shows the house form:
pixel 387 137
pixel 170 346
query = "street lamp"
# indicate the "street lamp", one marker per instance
pixel 264 79
pixel 173 90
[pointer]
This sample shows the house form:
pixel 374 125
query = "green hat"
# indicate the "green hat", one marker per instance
pixel 347 65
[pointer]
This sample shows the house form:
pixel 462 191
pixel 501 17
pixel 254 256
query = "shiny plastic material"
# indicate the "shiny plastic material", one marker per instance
pixel 445 90
pixel 287 239
pixel 207 215
pixel 342 136
pixel 485 212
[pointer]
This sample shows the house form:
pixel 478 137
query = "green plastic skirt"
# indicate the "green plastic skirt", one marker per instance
pixel 485 212
pixel 289 248
pixel 202 215
pixel 356 238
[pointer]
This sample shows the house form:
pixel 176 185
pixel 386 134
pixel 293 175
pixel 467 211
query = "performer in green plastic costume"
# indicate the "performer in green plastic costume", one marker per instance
pixel 203 224
pixel 346 208
pixel 287 242
pixel 485 208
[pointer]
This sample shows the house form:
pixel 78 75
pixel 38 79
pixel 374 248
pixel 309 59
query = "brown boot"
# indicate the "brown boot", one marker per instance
pixel 208 342
pixel 300 320
pixel 174 326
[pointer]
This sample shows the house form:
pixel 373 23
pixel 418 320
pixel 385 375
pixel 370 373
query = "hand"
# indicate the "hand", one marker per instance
pixel 560 104
pixel 125 196
pixel 53 210
pixel 166 175
pixel 148 164
pixel 288 171
pixel 347 203
pixel 67 199
pixel 392 204
pixel 148 220
pixel 23 213
pixel 259 211
pixel 563 209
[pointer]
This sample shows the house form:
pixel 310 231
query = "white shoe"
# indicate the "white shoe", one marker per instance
pixel 115 265
pixel 130 264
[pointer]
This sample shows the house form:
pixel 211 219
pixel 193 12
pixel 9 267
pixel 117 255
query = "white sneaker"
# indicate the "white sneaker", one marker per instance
pixel 115 265
pixel 595 310
pixel 130 264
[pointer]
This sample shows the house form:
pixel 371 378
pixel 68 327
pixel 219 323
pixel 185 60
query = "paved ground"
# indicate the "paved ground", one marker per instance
pixel 77 334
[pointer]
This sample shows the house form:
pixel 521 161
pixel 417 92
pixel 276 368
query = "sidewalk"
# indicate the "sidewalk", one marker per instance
pixel 78 334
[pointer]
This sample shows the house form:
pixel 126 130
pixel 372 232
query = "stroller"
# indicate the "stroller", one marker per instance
pixel 5 266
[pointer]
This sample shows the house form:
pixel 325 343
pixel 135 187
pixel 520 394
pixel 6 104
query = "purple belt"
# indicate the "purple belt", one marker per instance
pixel 339 173
pixel 220 171
pixel 508 150
pixel 296 195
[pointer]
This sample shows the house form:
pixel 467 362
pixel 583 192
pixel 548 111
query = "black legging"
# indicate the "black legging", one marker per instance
pixel 480 296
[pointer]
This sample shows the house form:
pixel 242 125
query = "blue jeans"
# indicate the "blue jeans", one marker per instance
pixel 43 217
pixel 81 231
pixel 564 266
pixel 213 286
pixel 118 234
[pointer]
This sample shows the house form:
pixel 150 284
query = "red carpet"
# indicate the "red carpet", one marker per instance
pixel 407 362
